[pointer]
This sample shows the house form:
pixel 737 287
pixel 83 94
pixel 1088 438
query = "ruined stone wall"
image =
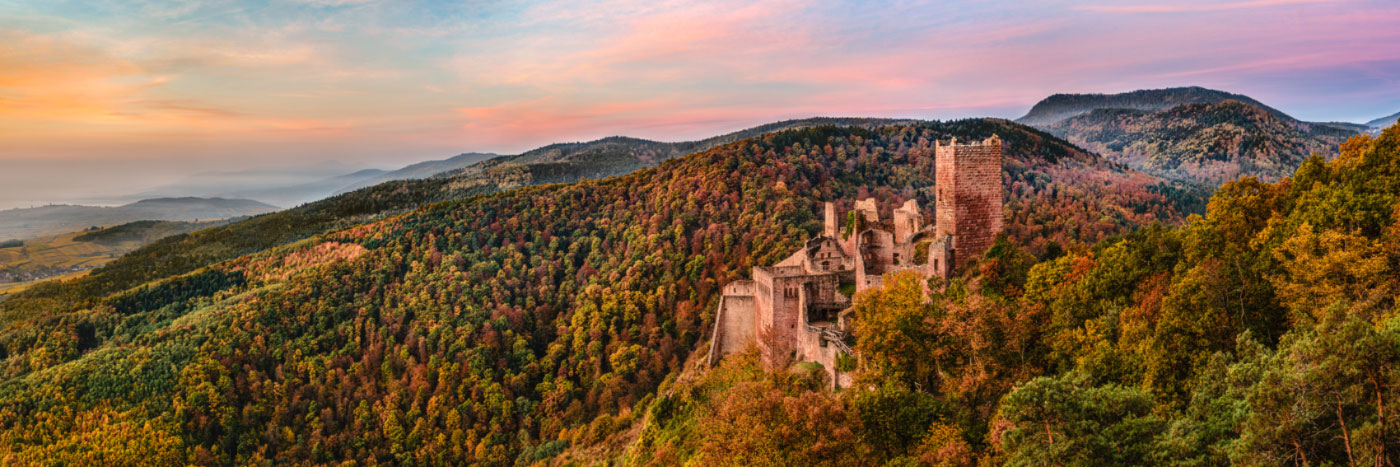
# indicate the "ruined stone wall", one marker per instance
pixel 830 223
pixel 940 254
pixel 825 254
pixel 736 320
pixel 763 296
pixel 877 249
pixel 796 259
pixel 907 221
pixel 735 326
pixel 739 287
pixel 969 195
pixel 810 349
pixel 868 209
pixel 824 290
pixel 778 300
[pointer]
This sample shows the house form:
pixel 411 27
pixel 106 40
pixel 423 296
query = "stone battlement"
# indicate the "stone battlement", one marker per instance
pixel 993 140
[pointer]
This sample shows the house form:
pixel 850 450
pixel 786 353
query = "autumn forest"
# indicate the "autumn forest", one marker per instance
pixel 1121 319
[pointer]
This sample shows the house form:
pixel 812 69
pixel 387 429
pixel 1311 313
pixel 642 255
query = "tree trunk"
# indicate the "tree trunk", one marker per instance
pixel 1381 457
pixel 1346 435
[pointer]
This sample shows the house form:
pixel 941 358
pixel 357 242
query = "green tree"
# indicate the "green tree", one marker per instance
pixel 894 333
pixel 1065 420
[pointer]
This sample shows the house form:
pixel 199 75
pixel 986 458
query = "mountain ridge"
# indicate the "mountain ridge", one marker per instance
pixel 57 219
pixel 615 155
pixel 1191 134
pixel 1384 121
pixel 417 170
pixel 1061 106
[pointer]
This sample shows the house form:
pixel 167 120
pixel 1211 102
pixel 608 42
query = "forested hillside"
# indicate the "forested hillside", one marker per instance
pixel 617 155
pixel 1209 143
pixel 60 219
pixel 500 328
pixel 1266 332
pixel 181 254
pixel 1384 121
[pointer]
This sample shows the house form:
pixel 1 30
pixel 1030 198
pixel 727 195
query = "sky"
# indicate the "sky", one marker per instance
pixel 121 96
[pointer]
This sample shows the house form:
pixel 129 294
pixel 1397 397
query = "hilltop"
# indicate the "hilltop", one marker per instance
pixel 493 327
pixel 616 155
pixel 1191 134
pixel 1384 122
pixel 58 219
pixel 1059 107
pixel 419 170
pixel 1211 143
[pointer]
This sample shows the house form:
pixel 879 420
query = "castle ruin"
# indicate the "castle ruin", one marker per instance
pixel 801 306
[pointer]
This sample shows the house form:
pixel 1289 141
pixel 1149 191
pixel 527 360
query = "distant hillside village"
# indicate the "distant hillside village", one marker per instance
pixel 801 306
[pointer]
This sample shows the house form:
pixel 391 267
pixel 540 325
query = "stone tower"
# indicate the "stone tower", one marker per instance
pixel 969 197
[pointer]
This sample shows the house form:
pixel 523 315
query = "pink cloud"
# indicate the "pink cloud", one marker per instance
pixel 1185 7
pixel 578 69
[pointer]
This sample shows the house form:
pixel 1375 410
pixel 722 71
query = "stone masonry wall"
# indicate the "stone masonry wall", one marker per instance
pixel 736 319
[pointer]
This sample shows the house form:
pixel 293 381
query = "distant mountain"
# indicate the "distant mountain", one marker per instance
pixel 57 219
pixel 616 155
pixel 1347 126
pixel 1192 133
pixel 295 187
pixel 1062 106
pixel 355 177
pixel 1210 143
pixel 1384 121
pixel 142 232
pixel 282 188
pixel 420 170
pixel 198 208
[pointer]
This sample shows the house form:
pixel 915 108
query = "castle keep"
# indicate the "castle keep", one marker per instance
pixel 801 306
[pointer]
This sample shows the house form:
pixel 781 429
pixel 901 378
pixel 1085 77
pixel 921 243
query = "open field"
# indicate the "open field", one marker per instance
pixel 60 251
pixel 17 287
pixel 73 254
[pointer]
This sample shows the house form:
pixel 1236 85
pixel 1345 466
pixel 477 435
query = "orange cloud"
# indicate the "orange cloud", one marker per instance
pixel 57 91
pixel 44 78
pixel 552 117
